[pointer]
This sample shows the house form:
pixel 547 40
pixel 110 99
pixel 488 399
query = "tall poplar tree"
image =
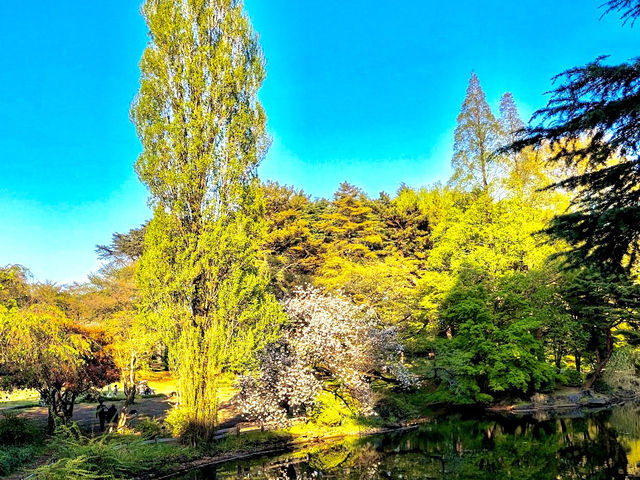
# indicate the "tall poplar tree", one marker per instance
pixel 203 134
pixel 477 138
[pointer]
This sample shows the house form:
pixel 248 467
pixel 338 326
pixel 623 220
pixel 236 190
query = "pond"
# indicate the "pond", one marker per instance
pixel 602 445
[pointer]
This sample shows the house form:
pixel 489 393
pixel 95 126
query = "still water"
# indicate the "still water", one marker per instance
pixel 603 445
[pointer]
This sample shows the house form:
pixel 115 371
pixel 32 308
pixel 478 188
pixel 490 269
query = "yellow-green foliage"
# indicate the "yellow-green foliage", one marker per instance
pixel 202 284
pixel 107 457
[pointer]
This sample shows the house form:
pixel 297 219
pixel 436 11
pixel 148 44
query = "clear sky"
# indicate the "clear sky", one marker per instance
pixel 360 90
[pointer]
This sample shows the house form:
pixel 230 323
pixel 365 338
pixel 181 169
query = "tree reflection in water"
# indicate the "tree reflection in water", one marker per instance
pixel 603 446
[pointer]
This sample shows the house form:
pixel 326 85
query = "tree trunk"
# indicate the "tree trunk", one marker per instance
pixel 603 362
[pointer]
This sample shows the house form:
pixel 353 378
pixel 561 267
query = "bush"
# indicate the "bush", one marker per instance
pixel 150 428
pixel 621 371
pixel 572 378
pixel 18 431
pixel 601 386
pixel 330 410
pixel 11 458
pixel 393 408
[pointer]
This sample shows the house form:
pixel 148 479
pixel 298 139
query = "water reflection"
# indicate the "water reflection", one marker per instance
pixel 603 446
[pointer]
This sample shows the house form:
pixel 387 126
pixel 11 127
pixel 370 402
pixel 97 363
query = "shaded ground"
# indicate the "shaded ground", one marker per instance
pixel 85 413
pixel 156 406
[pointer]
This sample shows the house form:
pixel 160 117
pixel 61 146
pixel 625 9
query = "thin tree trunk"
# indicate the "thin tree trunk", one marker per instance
pixel 603 362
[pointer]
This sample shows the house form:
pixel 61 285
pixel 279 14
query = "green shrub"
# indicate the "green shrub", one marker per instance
pixel 393 408
pixel 11 458
pixel 150 428
pixel 601 386
pixel 572 378
pixel 17 431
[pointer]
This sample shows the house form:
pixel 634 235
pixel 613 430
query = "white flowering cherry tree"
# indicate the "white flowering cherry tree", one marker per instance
pixel 331 344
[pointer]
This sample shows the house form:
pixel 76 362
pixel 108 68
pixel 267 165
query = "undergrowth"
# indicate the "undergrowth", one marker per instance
pixel 108 457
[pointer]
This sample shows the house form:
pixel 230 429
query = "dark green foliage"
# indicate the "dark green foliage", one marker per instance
pixel 629 9
pixel 600 386
pixel 107 456
pixel 12 458
pixel 592 124
pixel 572 378
pixel 19 431
pixel 150 428
pixel 124 247
pixel 21 442
pixel 491 345
pixel 600 302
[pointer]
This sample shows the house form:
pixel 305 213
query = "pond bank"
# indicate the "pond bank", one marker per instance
pixel 580 399
pixel 276 446
pixel 459 446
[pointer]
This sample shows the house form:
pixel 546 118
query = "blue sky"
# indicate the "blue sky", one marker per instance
pixel 365 91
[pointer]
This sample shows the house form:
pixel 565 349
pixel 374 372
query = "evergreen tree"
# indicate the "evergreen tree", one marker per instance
pixel 293 249
pixel 124 247
pixel 592 119
pixel 406 226
pixel 510 119
pixel 203 135
pixel 601 303
pixel 351 227
pixel 477 138
pixel 629 9
pixel 511 124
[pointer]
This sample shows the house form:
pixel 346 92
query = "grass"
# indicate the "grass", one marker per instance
pixel 18 399
pixel 250 441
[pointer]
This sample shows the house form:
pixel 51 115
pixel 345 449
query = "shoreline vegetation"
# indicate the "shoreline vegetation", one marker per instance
pixel 512 287
pixel 141 455
pixel 162 458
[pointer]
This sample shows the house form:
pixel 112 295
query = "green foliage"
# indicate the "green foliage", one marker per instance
pixel 331 411
pixel 150 428
pixel 124 247
pixel 572 378
pixel 351 236
pixel 622 370
pixel 12 457
pixel 601 386
pixel 492 347
pixel 19 431
pixel 202 283
pixel 107 457
pixel 21 441
pixel 14 287
pixel 600 303
pixel 591 123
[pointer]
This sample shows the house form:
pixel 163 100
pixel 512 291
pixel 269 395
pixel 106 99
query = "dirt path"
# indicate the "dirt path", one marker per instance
pixel 151 407
pixel 85 413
